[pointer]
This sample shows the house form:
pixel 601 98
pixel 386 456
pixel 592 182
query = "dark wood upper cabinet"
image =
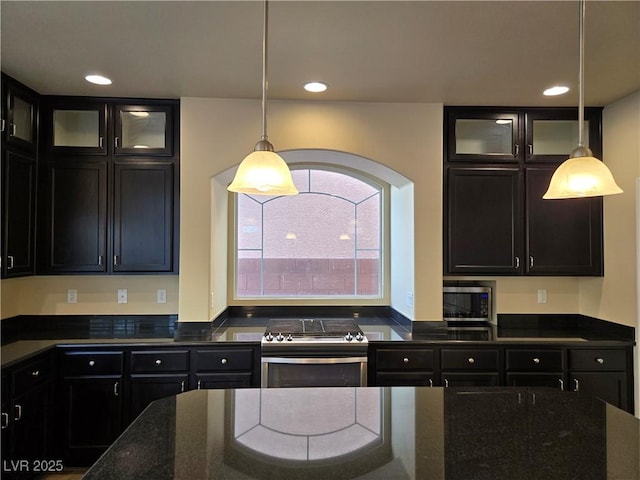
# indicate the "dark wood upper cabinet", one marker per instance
pixel 20 123
pixel 143 130
pixel 143 217
pixel 75 127
pixel 19 178
pixel 73 238
pixel 496 221
pixel 563 236
pixel 483 223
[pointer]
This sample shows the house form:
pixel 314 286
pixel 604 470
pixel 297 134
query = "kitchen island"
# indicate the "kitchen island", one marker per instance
pixel 376 433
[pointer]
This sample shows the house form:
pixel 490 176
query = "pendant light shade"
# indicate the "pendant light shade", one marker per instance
pixel 263 171
pixel 582 175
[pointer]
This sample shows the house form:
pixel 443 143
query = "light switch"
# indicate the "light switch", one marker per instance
pixel 122 295
pixel 72 295
pixel 161 296
pixel 542 296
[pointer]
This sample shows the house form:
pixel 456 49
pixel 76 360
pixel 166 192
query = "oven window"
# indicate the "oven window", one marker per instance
pixel 306 375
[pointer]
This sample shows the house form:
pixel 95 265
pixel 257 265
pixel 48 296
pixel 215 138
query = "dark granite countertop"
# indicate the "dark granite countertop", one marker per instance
pixel 386 433
pixel 31 335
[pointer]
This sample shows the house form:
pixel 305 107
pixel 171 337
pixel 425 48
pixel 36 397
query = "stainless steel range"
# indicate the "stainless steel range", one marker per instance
pixel 312 352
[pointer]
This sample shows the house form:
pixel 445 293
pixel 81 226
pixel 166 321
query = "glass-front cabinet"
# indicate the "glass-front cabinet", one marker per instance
pixel 143 130
pixel 19 121
pixel 79 128
pixel 536 134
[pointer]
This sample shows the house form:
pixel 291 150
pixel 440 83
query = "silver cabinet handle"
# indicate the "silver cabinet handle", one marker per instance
pixel 446 382
pixel 5 416
pixel 199 384
pixel 405 360
pixel 100 141
pixel 471 360
pixel 9 262
pixel 99 260
pixel 12 130
pixel 576 385
pixel 35 373
pixel 2 130
pixel 536 360
pixel 561 384
pixel 158 362
pixel 431 382
pixel 517 262
pixel 182 386
pixel 18 412
pixel 224 361
pixel 530 149
pixel 600 360
pixel 92 363
pixel 115 389
pixel 530 261
pixel 117 142
pixel 115 260
pixel 517 148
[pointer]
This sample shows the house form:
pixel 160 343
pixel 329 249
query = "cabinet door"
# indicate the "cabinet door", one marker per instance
pixel 143 130
pixel 224 380
pixel 411 379
pixel 461 379
pixel 19 215
pixel 143 217
pixel 564 237
pixel 32 424
pixel 21 123
pixel 75 212
pixel 92 417
pixel 484 226
pixel 553 134
pixel 528 379
pixel 485 135
pixel 609 386
pixel 76 127
pixel 145 389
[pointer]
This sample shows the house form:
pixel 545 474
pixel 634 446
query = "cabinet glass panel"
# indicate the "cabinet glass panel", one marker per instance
pixel 484 136
pixel 143 130
pixel 76 128
pixel 557 137
pixel 22 127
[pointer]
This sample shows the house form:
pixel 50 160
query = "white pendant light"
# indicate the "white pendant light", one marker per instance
pixel 582 175
pixel 263 171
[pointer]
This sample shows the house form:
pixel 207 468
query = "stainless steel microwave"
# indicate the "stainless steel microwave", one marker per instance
pixel 467 303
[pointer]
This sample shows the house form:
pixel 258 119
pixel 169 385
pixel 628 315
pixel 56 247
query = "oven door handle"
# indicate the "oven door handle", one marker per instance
pixel 314 360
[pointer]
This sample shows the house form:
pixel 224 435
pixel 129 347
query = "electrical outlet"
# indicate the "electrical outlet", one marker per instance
pixel 161 296
pixel 122 295
pixel 72 295
pixel 542 296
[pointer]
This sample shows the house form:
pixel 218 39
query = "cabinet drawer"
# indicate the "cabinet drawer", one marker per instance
pixel 597 360
pixel 160 361
pixel 469 359
pixel 404 359
pixel 92 363
pixel 31 375
pixel 411 379
pixel 534 360
pixel 224 360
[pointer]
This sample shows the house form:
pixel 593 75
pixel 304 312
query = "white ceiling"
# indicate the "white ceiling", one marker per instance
pixel 465 53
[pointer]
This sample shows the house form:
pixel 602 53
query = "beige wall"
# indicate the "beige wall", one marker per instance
pixel 614 296
pixel 218 133
pixel 47 295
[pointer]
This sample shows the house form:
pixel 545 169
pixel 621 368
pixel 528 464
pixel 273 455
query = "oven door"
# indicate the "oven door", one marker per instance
pixel 314 371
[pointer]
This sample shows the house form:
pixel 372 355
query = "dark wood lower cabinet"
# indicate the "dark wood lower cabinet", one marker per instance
pixel 458 379
pixel 551 380
pixel 223 380
pixel 610 387
pixel 92 417
pixel 144 389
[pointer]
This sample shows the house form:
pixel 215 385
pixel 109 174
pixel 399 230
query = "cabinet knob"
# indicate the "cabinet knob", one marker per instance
pixel 471 360
pixel 600 360
pixel 536 360
pixel 158 362
pixel 224 361
pixel 405 360
pixel 92 363
pixel 35 373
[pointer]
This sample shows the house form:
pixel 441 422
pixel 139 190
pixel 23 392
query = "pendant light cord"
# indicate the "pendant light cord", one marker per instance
pixel 581 77
pixel 264 70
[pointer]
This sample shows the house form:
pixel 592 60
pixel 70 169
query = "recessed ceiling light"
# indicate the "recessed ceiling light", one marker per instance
pixel 315 87
pixel 556 90
pixel 98 79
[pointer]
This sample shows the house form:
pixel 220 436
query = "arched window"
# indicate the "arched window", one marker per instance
pixel 324 242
